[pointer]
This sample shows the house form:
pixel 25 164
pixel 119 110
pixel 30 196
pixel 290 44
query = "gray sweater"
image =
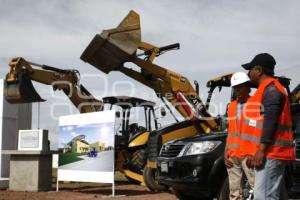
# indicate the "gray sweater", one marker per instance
pixel 273 102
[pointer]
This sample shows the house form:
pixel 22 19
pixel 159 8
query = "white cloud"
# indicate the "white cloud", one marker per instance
pixel 74 134
pixel 70 128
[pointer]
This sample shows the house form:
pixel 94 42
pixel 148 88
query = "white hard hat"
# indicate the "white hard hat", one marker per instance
pixel 239 78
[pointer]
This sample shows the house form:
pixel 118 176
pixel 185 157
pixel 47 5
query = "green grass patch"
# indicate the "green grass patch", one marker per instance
pixel 67 158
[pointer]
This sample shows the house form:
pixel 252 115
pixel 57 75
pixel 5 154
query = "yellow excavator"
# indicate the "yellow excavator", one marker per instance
pixel 112 48
pixel 131 134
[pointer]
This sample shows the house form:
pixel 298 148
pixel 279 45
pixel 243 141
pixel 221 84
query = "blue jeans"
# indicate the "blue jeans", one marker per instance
pixel 269 181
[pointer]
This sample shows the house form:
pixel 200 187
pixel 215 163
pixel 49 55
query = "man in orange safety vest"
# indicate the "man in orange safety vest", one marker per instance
pixel 235 159
pixel 267 129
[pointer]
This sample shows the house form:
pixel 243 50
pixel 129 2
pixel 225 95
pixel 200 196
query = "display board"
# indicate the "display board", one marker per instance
pixel 86 147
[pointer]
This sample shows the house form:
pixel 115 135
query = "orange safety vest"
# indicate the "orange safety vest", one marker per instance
pixel 234 126
pixel 282 146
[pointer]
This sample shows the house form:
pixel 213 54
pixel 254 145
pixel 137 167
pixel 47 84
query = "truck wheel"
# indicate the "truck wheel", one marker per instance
pixel 151 182
pixel 224 191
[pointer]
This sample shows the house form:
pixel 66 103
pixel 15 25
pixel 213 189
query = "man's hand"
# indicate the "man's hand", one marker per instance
pixel 249 162
pixel 227 161
pixel 259 157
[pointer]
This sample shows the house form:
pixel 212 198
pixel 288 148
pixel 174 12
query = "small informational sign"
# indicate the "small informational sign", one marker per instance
pixel 86 147
pixel 55 161
pixel 32 140
pixel 29 139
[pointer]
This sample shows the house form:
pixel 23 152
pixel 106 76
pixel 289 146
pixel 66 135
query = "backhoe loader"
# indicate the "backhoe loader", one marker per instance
pixel 131 134
pixel 112 48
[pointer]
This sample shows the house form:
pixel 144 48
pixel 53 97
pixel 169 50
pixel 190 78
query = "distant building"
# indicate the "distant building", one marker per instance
pixel 97 146
pixel 109 148
pixel 66 149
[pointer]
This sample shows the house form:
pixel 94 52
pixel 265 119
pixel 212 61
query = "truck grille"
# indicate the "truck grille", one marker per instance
pixel 297 149
pixel 171 150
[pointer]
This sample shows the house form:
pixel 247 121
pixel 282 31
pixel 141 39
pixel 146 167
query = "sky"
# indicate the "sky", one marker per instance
pixel 93 133
pixel 216 37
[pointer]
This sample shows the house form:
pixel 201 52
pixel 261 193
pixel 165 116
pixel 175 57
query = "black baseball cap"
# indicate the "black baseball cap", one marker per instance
pixel 263 59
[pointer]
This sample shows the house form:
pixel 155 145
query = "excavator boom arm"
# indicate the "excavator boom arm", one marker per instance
pixel 109 51
pixel 19 88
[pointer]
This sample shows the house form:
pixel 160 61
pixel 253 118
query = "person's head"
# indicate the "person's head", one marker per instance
pixel 261 66
pixel 240 84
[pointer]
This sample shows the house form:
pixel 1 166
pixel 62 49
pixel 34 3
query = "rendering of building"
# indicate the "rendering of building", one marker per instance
pixel 79 145
pixel 97 146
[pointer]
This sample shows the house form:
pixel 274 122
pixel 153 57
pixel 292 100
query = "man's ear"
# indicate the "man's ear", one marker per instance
pixel 260 70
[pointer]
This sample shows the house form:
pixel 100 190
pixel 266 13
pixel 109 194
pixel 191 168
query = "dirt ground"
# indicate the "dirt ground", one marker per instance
pixel 83 191
pixel 90 191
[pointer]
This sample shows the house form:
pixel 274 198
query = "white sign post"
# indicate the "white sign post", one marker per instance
pixel 86 148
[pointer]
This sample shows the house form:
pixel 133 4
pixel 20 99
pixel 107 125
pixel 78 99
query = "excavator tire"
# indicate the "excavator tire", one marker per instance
pixel 151 182
pixel 136 164
pixel 138 159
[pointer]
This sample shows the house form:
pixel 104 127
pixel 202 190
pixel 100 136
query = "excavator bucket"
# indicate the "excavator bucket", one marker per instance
pixel 113 47
pixel 21 90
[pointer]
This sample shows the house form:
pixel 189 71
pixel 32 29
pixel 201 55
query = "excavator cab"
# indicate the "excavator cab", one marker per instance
pixel 18 87
pixel 137 120
pixel 130 126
